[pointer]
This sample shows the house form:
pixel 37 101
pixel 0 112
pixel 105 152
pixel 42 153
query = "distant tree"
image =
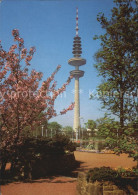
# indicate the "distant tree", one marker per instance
pixel 116 61
pixel 91 124
pixel 55 127
pixel 68 130
pixel 107 127
pixel 84 133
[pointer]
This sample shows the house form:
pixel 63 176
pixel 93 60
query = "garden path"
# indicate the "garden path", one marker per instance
pixel 66 185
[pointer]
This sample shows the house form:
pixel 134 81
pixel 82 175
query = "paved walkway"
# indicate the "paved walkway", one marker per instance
pixel 66 185
pixel 53 186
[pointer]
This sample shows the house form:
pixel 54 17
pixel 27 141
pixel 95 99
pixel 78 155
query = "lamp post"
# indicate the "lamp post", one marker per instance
pixel 42 130
pixel 51 133
pixel 82 127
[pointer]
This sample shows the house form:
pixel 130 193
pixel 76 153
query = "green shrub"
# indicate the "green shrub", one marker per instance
pixel 41 151
pixel 33 147
pixel 39 148
pixel 64 142
pixel 102 174
pixel 90 146
pixel 104 180
pixel 129 172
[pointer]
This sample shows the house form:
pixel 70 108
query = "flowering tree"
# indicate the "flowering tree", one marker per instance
pixel 22 99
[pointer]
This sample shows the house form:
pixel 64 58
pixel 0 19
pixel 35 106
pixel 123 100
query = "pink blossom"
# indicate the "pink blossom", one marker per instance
pixel 15 32
pixel 24 98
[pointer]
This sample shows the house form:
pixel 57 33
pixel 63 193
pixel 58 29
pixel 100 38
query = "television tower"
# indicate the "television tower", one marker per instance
pixel 77 61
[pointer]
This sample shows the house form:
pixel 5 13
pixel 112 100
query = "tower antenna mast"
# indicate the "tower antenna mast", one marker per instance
pixel 77 25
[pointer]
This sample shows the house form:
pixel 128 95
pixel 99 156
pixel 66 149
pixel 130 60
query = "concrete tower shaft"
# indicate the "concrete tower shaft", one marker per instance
pixel 76 124
pixel 77 61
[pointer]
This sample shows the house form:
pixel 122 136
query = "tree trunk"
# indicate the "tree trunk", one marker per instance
pixel 121 107
pixel 28 170
pixel 3 166
pixel 12 169
pixel 121 111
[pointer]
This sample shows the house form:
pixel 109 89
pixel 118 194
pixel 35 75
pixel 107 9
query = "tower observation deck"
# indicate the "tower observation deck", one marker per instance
pixel 77 61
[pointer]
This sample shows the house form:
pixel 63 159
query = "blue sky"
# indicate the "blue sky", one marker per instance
pixel 50 27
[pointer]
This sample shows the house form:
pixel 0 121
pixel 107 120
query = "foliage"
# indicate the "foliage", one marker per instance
pixel 59 144
pixel 66 143
pixel 68 129
pixel 91 124
pixel 42 146
pixel 108 174
pixel 55 127
pixel 124 143
pixel 22 99
pixel 90 146
pixel 128 172
pixel 101 146
pixel 102 174
pixel 116 61
pixel 24 103
pixel 127 143
pixel 85 134
pixel 33 150
pixel 105 180
pixel 107 127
